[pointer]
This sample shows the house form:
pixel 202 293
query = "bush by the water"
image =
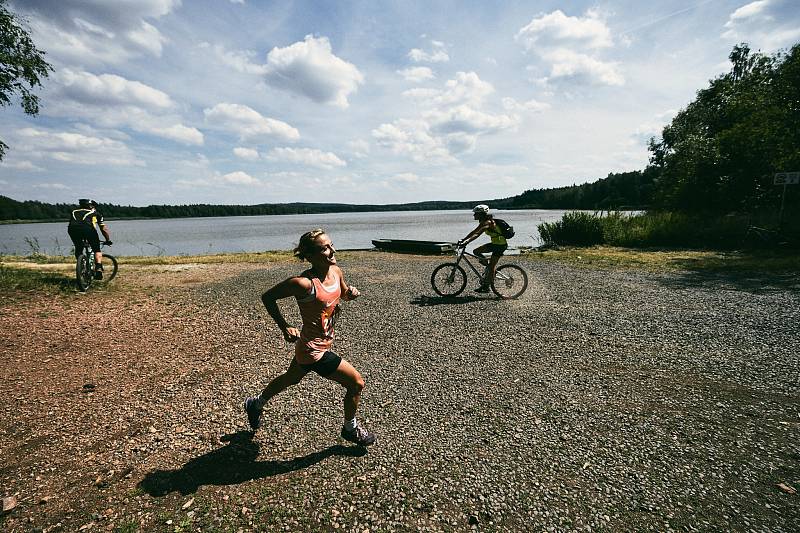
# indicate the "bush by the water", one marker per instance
pixel 667 229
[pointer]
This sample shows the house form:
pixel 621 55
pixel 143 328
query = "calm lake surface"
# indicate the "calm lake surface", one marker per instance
pixel 210 235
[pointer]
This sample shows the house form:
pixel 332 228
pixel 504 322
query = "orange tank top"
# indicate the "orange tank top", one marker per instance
pixel 318 310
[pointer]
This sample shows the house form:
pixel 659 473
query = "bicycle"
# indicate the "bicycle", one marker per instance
pixel 85 266
pixel 449 279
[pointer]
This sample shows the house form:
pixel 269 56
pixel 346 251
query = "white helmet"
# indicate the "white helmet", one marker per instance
pixel 482 209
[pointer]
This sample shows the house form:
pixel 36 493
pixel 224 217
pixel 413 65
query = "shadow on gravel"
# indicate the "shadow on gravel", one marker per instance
pixel 425 301
pixel 753 282
pixel 233 464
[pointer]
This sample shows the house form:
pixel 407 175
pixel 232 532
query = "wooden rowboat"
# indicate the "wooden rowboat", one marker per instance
pixel 413 247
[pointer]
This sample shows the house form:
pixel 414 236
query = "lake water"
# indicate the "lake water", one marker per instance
pixel 210 235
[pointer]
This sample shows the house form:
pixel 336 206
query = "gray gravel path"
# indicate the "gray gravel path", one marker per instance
pixel 600 400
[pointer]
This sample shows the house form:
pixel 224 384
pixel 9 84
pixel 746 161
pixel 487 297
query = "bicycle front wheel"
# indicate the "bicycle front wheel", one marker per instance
pixel 448 279
pixel 83 272
pixel 510 281
pixel 110 267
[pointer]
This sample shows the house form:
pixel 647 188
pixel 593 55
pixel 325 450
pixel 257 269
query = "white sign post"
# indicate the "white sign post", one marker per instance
pixel 785 178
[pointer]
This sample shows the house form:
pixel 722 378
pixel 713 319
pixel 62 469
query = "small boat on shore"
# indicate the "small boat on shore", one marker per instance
pixel 413 247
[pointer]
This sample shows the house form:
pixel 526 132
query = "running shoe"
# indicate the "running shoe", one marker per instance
pixel 360 435
pixel 253 413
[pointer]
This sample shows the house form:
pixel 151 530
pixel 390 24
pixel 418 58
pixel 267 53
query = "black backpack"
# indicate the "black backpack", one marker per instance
pixel 506 230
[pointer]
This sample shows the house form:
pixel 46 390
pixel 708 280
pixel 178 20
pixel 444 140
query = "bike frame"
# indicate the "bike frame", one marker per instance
pixel 462 253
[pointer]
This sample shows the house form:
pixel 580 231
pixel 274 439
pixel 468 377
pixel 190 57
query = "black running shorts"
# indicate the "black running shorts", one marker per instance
pixel 78 232
pixel 326 365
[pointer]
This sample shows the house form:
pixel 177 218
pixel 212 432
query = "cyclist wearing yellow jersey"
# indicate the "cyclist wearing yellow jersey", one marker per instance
pixel 81 226
pixel 497 246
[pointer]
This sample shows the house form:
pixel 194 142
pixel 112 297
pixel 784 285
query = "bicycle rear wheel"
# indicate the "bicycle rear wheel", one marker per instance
pixel 83 272
pixel 110 267
pixel 510 281
pixel 448 279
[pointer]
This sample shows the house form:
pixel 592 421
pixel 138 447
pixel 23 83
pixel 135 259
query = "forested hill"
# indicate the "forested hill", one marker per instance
pixel 628 190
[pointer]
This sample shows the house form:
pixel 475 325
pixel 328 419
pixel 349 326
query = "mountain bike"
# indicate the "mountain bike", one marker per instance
pixel 85 266
pixel 449 279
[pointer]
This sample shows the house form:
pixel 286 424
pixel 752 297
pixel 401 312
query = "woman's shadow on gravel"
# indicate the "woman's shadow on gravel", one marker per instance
pixel 231 465
pixel 427 301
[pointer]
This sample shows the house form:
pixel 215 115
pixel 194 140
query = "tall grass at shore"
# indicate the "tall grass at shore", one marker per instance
pixel 669 230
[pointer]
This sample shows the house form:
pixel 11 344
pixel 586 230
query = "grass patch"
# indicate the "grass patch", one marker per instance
pixel 672 260
pixel 14 279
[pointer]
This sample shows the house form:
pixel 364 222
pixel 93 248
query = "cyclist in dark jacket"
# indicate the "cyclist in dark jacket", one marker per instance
pixel 82 223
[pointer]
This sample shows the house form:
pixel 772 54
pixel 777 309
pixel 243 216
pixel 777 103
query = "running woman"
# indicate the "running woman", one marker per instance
pixel 317 291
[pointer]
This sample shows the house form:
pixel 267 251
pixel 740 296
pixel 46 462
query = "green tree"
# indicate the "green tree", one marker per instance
pixel 22 65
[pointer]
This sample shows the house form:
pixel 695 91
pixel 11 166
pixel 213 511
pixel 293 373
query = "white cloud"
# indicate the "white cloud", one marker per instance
pixel 412 138
pixel 568 46
pixel 533 106
pixel 98 32
pixel 109 89
pixel 25 166
pixel 437 55
pixel 765 24
pixel 248 123
pixel 568 64
pixel 113 101
pixel 75 148
pixel 177 132
pixel 246 153
pixel 558 29
pixel 416 74
pixel 466 88
pixel 464 119
pixel 239 178
pixel 306 156
pixel 310 68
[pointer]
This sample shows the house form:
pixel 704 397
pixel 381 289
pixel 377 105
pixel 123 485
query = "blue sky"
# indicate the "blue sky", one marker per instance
pixel 245 101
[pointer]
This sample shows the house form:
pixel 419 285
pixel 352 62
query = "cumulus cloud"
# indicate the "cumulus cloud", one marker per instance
pixel 413 138
pixel 466 88
pixel 416 74
pixel 450 122
pixel 109 89
pixel 306 156
pixel 766 24
pixel 437 55
pixel 569 64
pixel 109 100
pixel 466 120
pixel 97 32
pixel 248 123
pixel 310 68
pixel 239 178
pixel 25 166
pixel 74 148
pixel 246 153
pixel 558 29
pixel 569 47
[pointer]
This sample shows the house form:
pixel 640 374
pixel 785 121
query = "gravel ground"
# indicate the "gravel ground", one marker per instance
pixel 599 401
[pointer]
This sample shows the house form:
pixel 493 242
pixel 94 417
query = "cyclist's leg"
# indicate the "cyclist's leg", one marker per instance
pixel 94 241
pixel 76 235
pixel 482 249
pixel 497 253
